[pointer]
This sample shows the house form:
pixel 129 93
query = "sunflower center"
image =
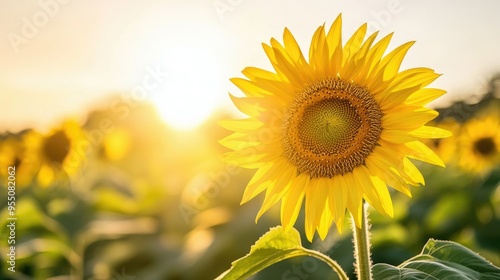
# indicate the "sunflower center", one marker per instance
pixel 330 128
pixel 56 147
pixel 328 125
pixel 485 146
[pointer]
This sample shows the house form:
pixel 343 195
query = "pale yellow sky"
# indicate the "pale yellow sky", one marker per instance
pixel 60 57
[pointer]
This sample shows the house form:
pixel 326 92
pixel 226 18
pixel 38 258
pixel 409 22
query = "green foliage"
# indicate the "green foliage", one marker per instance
pixel 440 260
pixel 274 246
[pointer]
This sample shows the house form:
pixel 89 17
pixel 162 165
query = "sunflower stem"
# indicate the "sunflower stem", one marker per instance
pixel 362 252
pixel 333 264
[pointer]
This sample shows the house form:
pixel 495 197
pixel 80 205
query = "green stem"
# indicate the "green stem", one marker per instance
pixel 362 252
pixel 333 264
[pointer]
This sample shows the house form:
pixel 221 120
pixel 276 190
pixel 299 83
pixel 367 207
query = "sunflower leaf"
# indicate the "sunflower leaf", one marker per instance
pixel 274 246
pixel 440 260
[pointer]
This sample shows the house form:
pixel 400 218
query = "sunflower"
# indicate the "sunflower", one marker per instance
pixel 116 145
pixel 446 148
pixel 15 151
pixel 332 130
pixel 480 145
pixel 61 153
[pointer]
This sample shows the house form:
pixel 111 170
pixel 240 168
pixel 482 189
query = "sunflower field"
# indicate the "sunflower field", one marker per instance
pixel 343 158
pixel 112 198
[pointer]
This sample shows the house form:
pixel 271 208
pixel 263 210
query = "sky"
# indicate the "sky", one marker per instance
pixel 60 58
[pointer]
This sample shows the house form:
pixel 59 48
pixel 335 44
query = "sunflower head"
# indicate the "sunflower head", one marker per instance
pixel 333 128
pixel 61 152
pixel 480 145
pixel 56 146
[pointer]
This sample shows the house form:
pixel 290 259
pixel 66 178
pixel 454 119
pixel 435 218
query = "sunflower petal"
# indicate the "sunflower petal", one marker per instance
pixel 430 132
pixel 315 204
pixel 354 199
pixel 318 52
pixel 408 120
pixel 293 48
pixel 337 198
pixel 354 43
pixel 374 55
pixel 257 183
pixel 334 41
pixel 276 191
pixel 424 96
pixel 412 171
pixel 292 200
pixel 420 151
pixel 325 223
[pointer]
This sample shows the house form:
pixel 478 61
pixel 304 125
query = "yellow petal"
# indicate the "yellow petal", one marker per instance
pixel 325 223
pixel 246 107
pixel 257 183
pixel 424 96
pixel 388 174
pixel 334 41
pixel 393 60
pixel 292 200
pixel 408 120
pixel 354 198
pixel 337 196
pixel 293 48
pixel 390 99
pixel 397 136
pixel 249 88
pixel 420 151
pixel 430 132
pixel 254 73
pixel 383 195
pixel 315 204
pixel 374 55
pixel 413 77
pixel 318 52
pixel 240 125
pixel 412 171
pixel 354 43
pixel 375 195
pixel 276 191
pixel 387 69
pixel 357 62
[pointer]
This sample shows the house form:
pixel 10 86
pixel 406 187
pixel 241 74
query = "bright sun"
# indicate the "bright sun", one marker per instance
pixel 186 99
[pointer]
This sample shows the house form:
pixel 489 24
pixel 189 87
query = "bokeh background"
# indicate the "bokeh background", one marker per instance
pixel 109 111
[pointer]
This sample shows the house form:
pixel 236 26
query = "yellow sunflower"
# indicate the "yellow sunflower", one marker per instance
pixel 333 129
pixel 15 151
pixel 446 148
pixel 61 153
pixel 480 145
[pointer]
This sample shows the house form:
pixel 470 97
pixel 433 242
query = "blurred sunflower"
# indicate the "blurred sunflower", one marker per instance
pixel 15 150
pixel 332 130
pixel 480 145
pixel 116 144
pixel 61 152
pixel 446 148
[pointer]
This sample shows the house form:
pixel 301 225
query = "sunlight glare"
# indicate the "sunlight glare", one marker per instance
pixel 187 97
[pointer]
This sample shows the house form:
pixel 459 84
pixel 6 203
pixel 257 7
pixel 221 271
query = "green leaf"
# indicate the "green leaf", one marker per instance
pixel 440 260
pixel 274 246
